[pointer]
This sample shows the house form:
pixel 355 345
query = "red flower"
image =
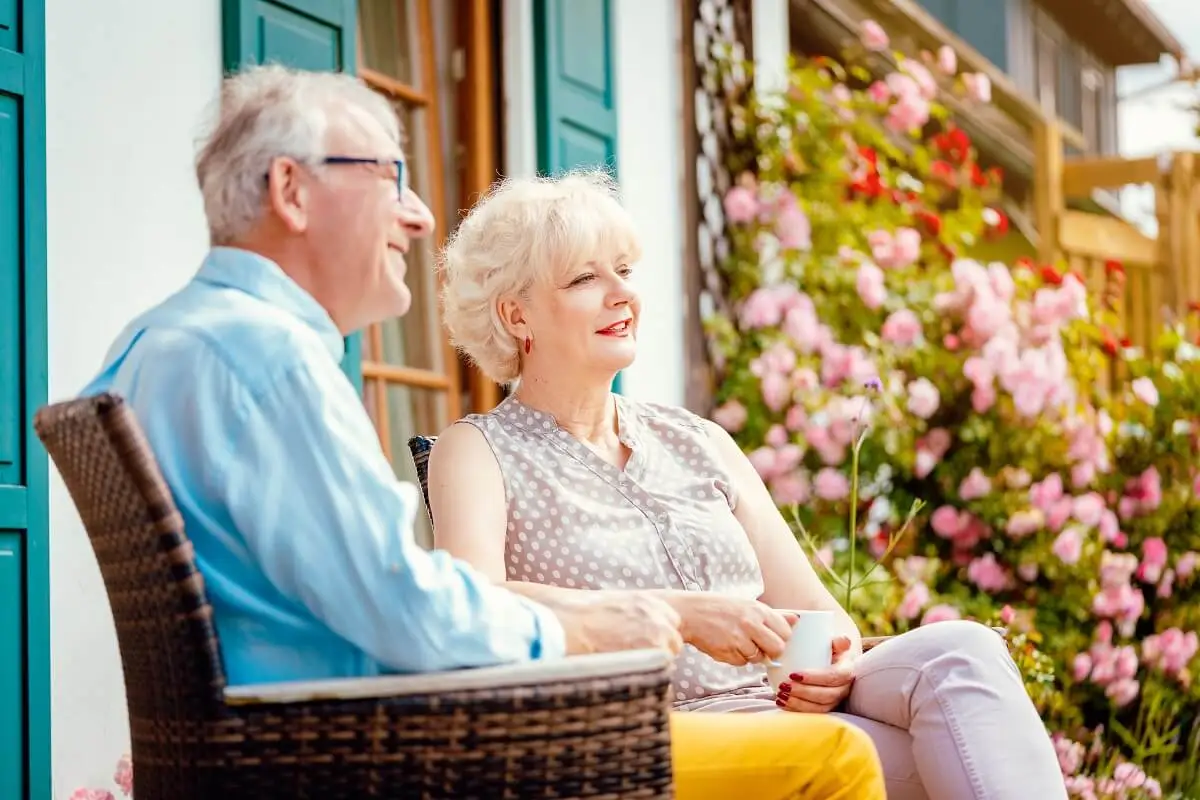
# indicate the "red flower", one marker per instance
pixel 930 221
pixel 1194 306
pixel 977 177
pixel 1025 262
pixel 944 172
pixel 1051 275
pixel 1114 267
pixel 1109 344
pixel 995 175
pixel 954 144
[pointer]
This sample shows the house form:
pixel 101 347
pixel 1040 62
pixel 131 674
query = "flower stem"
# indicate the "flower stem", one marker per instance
pixel 853 520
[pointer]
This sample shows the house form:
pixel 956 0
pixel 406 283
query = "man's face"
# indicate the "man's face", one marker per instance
pixel 361 224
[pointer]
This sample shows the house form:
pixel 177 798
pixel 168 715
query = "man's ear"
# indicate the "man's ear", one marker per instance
pixel 288 193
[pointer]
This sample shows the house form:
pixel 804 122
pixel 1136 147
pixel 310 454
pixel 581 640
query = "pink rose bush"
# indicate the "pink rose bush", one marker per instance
pixel 122 777
pixel 1059 467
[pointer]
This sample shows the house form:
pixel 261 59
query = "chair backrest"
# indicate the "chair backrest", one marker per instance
pixel 169 650
pixel 420 446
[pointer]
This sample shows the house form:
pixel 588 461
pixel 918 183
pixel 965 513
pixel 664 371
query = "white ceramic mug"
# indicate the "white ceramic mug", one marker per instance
pixel 810 647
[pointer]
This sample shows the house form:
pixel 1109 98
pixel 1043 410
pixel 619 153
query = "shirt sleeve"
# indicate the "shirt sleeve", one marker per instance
pixel 300 471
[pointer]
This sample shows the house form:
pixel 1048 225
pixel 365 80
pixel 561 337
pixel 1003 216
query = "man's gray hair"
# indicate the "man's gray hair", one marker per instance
pixel 265 112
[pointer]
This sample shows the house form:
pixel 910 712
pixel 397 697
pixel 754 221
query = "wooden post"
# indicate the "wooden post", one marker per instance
pixel 1048 187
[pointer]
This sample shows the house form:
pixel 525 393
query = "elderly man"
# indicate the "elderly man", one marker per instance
pixel 300 527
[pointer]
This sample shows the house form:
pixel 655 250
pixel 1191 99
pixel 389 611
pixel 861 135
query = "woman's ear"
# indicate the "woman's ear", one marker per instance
pixel 512 317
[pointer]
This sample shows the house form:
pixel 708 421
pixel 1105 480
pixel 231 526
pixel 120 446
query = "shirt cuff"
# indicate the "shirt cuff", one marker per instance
pixel 549 638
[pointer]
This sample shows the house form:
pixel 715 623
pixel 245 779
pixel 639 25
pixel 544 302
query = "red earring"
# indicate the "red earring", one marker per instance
pixel 528 345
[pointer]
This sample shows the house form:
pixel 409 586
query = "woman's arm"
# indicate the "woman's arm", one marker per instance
pixel 789 580
pixel 469 509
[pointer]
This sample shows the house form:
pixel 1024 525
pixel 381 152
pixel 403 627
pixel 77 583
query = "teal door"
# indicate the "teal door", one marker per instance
pixel 317 35
pixel 575 91
pixel 24 563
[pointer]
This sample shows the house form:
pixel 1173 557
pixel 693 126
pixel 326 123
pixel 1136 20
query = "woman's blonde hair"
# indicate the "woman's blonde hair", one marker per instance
pixel 523 231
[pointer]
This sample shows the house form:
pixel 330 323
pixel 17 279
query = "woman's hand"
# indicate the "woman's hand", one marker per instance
pixel 821 690
pixel 734 630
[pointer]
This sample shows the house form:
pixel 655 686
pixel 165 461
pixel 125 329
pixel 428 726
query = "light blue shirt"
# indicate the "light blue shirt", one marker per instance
pixel 302 532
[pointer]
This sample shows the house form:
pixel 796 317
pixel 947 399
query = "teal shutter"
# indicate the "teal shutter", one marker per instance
pixel 983 24
pixel 575 88
pixel 24 511
pixel 316 35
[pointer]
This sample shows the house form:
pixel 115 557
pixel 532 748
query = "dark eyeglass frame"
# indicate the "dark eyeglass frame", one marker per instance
pixel 398 163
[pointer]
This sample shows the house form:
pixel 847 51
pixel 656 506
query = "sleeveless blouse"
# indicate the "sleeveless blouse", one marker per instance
pixel 665 522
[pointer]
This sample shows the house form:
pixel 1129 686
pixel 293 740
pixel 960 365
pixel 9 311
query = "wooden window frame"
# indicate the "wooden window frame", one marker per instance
pixel 476 167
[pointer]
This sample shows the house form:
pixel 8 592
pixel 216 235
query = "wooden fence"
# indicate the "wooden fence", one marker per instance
pixel 1161 272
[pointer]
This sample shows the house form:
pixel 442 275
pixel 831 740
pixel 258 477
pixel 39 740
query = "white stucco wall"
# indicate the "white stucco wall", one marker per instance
pixel 126 86
pixel 649 165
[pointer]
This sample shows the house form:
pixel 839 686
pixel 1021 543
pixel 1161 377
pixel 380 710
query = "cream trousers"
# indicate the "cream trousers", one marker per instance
pixel 949 716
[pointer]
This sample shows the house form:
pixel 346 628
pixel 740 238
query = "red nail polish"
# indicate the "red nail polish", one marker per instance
pixel 784 688
pixel 781 703
pixel 798 678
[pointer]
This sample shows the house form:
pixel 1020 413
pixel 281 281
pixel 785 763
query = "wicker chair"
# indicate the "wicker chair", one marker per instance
pixel 584 727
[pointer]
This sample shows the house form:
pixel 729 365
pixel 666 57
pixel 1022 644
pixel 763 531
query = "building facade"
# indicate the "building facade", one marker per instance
pixel 100 108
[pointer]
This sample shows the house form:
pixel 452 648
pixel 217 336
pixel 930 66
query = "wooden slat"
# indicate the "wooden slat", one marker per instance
pixel 378 388
pixel 1082 175
pixel 409 376
pixel 1101 237
pixel 437 194
pixel 1048 200
pixel 394 88
pixel 477 122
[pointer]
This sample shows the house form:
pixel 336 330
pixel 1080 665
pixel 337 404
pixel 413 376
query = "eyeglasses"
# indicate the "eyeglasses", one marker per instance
pixel 398 164
pixel 401 182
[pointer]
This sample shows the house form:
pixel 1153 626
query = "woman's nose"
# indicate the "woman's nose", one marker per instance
pixel 415 216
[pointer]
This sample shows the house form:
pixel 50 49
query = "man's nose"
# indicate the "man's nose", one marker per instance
pixel 415 216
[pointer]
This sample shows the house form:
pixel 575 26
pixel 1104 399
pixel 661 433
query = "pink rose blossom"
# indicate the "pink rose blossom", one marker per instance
pixel 1109 526
pixel 978 86
pixel 793 228
pixel 1081 667
pixel 1058 514
pixel 895 251
pixel 831 485
pixel 879 92
pixel 870 285
pixel 874 37
pixel 123 777
pixel 1170 651
pixel 776 436
pixel 1025 522
pixel 926 84
pixel 1045 493
pixel 915 599
pixel 987 573
pixel 1088 509
pixel 1186 565
pixel 947 60
pixel 946 522
pixel 832 452
pixel 91 794
pixel 767 305
pixel 923 398
pixel 1069 545
pixel 940 613
pixel 902 328
pixel 1123 692
pixel 730 415
pixel 1143 494
pixel 776 390
pixel 1145 390
pixel 796 418
pixel 790 489
pixel 975 485
pixel 741 205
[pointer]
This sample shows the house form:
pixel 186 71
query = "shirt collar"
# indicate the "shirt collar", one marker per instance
pixel 262 278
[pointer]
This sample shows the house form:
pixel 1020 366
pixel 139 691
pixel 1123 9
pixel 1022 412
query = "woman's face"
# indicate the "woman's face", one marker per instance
pixel 585 316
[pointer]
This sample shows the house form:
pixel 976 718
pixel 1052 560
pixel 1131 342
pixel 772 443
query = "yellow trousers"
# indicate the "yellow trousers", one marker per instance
pixel 772 757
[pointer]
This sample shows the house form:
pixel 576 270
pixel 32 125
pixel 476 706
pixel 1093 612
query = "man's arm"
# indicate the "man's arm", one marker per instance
pixel 299 470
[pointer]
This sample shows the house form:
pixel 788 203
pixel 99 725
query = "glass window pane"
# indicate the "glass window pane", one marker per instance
pixel 388 38
pixel 415 340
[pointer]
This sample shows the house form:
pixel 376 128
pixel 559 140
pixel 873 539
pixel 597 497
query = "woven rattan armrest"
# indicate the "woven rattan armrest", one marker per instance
pixel 572 669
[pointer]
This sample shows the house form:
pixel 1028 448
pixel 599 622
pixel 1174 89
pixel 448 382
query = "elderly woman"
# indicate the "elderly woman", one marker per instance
pixel 568 485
